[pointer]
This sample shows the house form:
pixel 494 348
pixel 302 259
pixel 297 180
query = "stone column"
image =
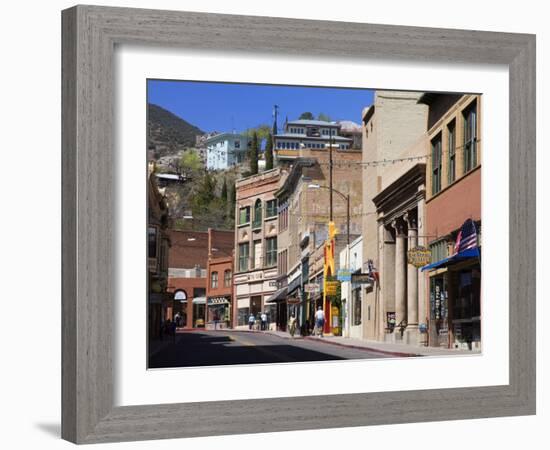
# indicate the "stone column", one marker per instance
pixel 400 272
pixel 423 300
pixel 412 282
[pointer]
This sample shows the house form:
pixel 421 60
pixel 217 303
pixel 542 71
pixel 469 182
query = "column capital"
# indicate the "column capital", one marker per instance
pixel 411 218
pixel 399 226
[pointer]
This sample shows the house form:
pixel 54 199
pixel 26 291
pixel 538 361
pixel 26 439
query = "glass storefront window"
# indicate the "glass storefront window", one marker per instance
pixel 242 316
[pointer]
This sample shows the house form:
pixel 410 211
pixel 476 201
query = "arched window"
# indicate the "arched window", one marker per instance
pixel 257 213
pixel 227 278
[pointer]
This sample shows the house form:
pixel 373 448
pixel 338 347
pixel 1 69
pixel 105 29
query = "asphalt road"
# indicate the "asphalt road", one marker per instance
pixel 214 348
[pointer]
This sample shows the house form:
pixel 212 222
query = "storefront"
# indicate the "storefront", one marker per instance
pixel 455 303
pixel 199 310
pixel 218 312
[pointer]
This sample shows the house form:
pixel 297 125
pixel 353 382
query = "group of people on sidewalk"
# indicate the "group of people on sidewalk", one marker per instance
pixel 318 327
pixel 261 323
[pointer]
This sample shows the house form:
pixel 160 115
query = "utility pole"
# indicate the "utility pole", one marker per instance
pixel 330 174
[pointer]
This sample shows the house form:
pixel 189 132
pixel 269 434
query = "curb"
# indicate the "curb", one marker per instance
pixel 369 349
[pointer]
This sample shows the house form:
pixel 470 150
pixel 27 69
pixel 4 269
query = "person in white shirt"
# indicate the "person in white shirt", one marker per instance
pixel 251 321
pixel 319 321
pixel 263 318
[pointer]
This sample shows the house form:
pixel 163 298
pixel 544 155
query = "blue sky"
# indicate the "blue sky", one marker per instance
pixel 226 106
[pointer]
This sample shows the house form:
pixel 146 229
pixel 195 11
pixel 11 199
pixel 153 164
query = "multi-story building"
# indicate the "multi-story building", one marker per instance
pixel 219 286
pixel 304 213
pixel 158 244
pixel 308 134
pixel 256 245
pixel 225 150
pixel 187 276
pixel 453 219
pixel 394 154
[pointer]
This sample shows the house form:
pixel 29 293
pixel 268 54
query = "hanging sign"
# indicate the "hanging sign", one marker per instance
pixel 331 287
pixel 419 256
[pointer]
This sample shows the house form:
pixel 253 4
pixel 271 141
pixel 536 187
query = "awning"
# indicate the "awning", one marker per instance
pixel 280 295
pixel 199 301
pixel 463 255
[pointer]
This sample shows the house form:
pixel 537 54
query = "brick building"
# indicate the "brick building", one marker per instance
pixel 255 245
pixel 219 286
pixel 304 211
pixel 453 220
pixel 158 244
pixel 187 262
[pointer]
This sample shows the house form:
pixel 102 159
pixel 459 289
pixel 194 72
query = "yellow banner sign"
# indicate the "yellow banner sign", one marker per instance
pixel 331 287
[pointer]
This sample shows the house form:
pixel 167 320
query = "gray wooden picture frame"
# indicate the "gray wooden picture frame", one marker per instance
pixel 90 34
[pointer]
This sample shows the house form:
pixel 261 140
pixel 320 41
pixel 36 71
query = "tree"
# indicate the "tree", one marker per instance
pixel 324 117
pixel 306 116
pixel 269 153
pixel 190 160
pixel 224 190
pixel 254 154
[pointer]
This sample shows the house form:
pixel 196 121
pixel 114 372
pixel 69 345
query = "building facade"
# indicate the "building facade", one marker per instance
pixel 304 214
pixel 256 232
pixel 187 262
pixel 453 218
pixel 158 245
pixel 394 154
pixel 219 286
pixel 308 134
pixel 351 258
pixel 225 150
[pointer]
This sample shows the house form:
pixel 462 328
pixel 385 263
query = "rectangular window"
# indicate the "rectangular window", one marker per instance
pixel 271 208
pixel 242 316
pixel 244 215
pixel 214 280
pixel 271 251
pixel 436 164
pixel 244 250
pixel 470 138
pixel 237 144
pixel 439 250
pixel 152 242
pixel 451 142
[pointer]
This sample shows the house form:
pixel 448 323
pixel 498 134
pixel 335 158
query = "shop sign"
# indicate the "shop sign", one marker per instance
pixel 361 278
pixel 419 256
pixel 344 275
pixel 293 300
pixel 312 288
pixel 217 300
pixel 331 287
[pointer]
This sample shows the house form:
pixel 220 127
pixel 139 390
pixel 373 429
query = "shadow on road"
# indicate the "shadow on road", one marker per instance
pixel 197 349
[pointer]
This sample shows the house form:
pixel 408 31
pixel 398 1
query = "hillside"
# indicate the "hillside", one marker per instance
pixel 168 133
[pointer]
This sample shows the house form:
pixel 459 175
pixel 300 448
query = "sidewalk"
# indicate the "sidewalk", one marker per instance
pixel 391 348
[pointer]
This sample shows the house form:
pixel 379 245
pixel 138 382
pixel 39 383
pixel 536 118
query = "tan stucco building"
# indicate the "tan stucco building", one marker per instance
pixel 394 154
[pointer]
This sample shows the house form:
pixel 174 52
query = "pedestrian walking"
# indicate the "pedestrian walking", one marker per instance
pixel 292 325
pixel 251 320
pixel 263 318
pixel 319 321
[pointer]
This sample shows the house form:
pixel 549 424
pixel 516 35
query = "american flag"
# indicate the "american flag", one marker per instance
pixel 373 271
pixel 467 237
